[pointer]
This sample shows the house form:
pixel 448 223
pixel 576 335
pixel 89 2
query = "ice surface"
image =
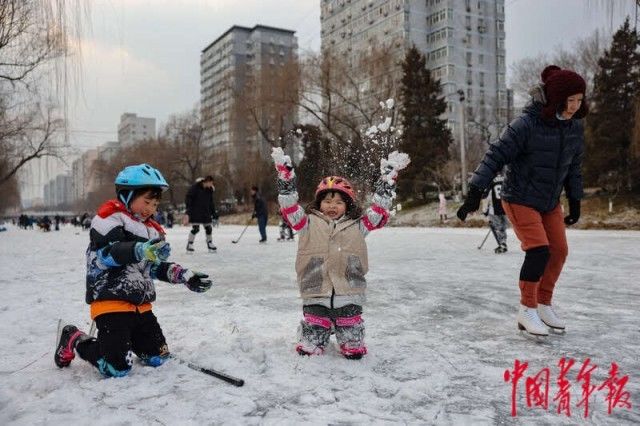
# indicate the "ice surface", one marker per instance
pixel 440 330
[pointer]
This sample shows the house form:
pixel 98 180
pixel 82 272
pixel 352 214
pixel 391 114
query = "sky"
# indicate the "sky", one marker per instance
pixel 143 56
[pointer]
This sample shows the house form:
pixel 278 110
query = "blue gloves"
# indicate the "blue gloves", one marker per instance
pixel 156 250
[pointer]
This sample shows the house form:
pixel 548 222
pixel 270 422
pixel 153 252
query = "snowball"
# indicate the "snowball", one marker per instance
pixel 385 126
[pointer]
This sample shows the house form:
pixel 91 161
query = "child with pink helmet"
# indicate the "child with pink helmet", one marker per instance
pixel 331 261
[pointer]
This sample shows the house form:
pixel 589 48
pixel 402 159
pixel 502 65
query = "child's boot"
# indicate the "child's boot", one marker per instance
pixel 350 336
pixel 314 333
pixel 69 339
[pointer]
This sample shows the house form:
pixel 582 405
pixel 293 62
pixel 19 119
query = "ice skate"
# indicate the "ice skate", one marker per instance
pixel 502 248
pixel 550 319
pixel 211 247
pixel 190 248
pixel 529 321
pixel 65 349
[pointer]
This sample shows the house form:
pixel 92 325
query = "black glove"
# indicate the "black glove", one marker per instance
pixel 471 203
pixel 253 215
pixel 197 281
pixel 574 212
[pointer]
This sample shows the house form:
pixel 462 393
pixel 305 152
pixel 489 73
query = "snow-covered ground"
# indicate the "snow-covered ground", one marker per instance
pixel 440 323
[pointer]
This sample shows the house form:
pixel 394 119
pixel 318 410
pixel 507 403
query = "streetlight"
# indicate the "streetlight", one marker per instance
pixel 463 162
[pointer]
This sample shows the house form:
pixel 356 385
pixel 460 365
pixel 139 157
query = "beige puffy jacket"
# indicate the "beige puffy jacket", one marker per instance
pixel 332 255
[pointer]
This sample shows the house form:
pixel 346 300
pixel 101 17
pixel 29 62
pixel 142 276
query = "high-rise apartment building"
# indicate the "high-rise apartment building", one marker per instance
pixel 463 41
pixel 58 191
pixel 239 56
pixel 83 178
pixel 132 129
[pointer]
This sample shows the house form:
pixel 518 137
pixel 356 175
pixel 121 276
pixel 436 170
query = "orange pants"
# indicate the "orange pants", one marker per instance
pixel 535 229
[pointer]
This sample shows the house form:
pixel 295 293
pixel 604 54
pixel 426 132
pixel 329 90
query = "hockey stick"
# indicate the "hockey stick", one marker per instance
pixel 217 374
pixel 485 239
pixel 243 231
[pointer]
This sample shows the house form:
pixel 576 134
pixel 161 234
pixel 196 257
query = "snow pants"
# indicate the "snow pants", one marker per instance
pixel 315 328
pixel 121 334
pixel 543 238
pixel 498 225
pixel 285 231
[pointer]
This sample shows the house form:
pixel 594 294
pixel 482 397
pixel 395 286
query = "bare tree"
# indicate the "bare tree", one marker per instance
pixel 190 153
pixel 267 101
pixel 26 136
pixel 344 97
pixel 35 39
pixel 582 57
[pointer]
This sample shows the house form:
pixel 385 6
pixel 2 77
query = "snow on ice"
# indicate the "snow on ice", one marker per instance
pixel 440 320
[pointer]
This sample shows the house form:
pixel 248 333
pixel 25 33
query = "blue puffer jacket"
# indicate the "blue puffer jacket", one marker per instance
pixel 541 158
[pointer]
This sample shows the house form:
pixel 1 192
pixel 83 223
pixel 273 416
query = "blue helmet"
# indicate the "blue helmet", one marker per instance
pixel 135 177
pixel 140 176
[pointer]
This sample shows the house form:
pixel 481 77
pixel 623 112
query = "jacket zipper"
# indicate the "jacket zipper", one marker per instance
pixel 557 167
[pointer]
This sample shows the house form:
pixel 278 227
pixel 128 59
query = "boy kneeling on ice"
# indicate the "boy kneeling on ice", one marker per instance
pixel 126 253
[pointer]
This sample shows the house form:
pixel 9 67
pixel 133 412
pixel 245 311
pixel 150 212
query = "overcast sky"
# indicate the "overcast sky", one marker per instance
pixel 143 56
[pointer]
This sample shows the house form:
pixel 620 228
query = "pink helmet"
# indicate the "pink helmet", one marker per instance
pixel 336 183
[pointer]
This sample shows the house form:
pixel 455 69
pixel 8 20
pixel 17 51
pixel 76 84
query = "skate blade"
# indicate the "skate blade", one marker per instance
pixel 58 333
pixel 558 331
pixel 532 336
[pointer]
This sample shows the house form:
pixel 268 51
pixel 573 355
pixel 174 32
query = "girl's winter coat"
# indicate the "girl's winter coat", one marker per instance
pixel 543 157
pixel 332 255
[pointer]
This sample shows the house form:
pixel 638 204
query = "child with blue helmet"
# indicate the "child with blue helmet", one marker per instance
pixel 127 251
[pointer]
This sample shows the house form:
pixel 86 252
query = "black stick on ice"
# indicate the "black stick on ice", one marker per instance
pixel 217 374
pixel 485 239
pixel 243 231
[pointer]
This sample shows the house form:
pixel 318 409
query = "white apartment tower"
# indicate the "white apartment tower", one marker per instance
pixel 132 129
pixel 463 41
pixel 226 64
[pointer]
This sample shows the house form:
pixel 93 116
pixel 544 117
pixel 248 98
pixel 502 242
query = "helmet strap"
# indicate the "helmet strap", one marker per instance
pixel 126 199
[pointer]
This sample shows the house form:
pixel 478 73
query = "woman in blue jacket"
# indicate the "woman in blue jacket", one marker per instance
pixel 542 151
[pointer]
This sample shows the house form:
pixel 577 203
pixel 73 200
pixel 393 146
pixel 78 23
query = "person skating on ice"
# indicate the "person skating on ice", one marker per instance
pixel 201 210
pixel 331 262
pixel 497 218
pixel 542 151
pixel 260 212
pixel 126 253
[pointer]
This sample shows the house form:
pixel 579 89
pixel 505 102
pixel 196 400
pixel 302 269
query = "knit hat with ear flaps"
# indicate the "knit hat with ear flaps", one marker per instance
pixel 559 84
